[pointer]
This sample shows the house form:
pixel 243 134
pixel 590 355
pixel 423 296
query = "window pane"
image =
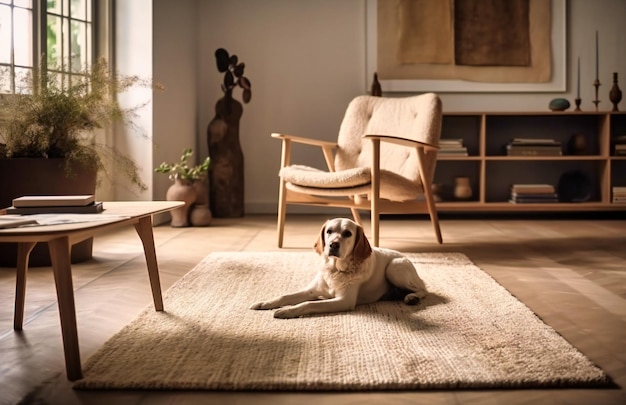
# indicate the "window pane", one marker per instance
pixel 78 9
pixel 21 3
pixel 23 37
pixel 54 6
pixel 67 52
pixel 55 36
pixel 5 80
pixel 5 34
pixel 78 46
pixel 23 80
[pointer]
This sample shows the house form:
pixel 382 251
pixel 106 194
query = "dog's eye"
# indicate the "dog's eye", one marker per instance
pixel 346 234
pixel 329 231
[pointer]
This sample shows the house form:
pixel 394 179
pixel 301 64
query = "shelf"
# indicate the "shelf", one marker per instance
pixel 492 172
pixel 460 206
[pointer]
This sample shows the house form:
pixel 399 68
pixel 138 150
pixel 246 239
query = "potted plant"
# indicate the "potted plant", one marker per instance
pixel 189 186
pixel 48 128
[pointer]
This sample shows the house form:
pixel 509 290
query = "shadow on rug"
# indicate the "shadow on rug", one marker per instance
pixel 468 333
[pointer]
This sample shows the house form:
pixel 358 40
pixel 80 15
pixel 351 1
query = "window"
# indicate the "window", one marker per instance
pixel 63 30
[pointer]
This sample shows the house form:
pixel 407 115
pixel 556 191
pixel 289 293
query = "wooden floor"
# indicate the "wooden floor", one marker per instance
pixel 572 273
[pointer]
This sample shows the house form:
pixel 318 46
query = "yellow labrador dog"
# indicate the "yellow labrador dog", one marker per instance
pixel 352 272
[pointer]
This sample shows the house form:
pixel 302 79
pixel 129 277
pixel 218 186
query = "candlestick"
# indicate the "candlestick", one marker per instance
pixel 596 84
pixel 577 100
pixel 597 63
pixel 578 80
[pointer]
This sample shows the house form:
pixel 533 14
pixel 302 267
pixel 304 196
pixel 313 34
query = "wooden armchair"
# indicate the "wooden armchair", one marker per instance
pixel 383 161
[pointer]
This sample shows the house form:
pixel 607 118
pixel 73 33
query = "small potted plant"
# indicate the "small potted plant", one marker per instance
pixel 189 186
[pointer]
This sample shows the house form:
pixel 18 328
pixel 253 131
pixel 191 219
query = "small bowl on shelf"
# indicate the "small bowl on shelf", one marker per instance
pixel 559 104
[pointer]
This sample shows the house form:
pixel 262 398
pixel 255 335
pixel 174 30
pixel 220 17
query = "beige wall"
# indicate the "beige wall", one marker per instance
pixel 306 59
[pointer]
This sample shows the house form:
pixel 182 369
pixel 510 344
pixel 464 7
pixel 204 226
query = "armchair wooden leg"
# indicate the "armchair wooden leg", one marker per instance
pixel 282 211
pixel 356 216
pixel 285 158
pixel 428 193
pixel 375 208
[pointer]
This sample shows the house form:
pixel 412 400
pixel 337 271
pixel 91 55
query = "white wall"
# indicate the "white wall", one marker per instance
pixel 133 30
pixel 306 60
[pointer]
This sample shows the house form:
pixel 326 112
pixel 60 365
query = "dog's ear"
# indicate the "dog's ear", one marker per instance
pixel 321 241
pixel 362 249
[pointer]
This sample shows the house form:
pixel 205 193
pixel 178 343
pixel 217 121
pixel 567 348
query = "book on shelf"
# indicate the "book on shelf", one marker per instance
pixel 452 147
pixel 452 142
pixel 534 199
pixel 534 141
pixel 93 208
pixel 532 188
pixel 53 201
pixel 533 151
pixel 453 152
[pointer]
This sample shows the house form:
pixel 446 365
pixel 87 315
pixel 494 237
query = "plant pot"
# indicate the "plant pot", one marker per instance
pixel 184 191
pixel 39 176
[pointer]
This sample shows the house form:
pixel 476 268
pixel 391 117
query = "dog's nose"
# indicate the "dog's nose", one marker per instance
pixel 334 245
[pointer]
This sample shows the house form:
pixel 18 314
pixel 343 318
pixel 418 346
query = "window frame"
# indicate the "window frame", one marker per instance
pixel 101 12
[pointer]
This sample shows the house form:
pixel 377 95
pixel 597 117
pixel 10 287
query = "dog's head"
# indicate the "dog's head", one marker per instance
pixel 342 238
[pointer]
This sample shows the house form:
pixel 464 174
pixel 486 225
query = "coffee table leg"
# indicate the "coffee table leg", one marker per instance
pixel 144 230
pixel 62 269
pixel 23 252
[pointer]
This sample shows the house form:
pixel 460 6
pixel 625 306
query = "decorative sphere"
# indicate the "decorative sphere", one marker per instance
pixel 559 104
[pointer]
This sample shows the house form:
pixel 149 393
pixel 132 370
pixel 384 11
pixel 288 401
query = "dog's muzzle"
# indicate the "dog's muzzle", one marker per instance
pixel 333 249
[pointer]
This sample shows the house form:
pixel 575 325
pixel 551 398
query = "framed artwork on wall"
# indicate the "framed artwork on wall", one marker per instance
pixel 406 68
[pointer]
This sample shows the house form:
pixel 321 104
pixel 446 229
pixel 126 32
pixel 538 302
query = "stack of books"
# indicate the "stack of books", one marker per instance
pixel 533 193
pixel 619 145
pixel 55 204
pixel 534 147
pixel 452 147
pixel 619 195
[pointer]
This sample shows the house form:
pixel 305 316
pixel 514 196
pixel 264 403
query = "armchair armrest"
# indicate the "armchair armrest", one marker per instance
pixel 307 141
pixel 327 148
pixel 402 141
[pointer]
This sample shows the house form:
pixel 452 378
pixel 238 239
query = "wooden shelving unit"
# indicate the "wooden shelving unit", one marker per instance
pixel 492 172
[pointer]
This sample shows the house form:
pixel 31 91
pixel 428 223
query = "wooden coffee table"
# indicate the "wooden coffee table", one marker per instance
pixel 60 238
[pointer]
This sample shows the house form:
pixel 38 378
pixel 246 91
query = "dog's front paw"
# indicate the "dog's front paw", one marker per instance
pixel 414 298
pixel 286 313
pixel 263 305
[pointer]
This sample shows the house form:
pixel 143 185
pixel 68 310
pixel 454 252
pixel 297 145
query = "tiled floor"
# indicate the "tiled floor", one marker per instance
pixel 572 273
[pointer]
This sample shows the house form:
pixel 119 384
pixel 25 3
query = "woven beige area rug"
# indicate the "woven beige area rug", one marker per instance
pixel 468 333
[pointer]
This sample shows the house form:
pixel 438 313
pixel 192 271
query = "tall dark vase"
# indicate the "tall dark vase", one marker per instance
pixel 226 177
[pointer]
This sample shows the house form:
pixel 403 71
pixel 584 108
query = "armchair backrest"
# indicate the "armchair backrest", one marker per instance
pixel 416 118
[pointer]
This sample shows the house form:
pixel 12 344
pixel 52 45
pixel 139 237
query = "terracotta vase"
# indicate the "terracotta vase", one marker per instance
pixel 200 213
pixel 181 190
pixel 226 179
